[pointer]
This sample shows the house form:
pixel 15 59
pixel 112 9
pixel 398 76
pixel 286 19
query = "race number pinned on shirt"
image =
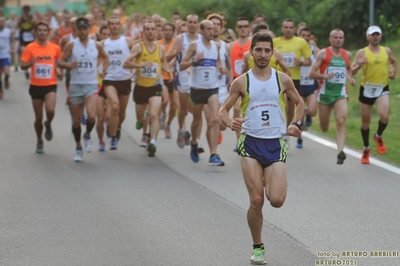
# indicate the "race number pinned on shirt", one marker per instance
pixel 149 72
pixel 289 59
pixel 43 71
pixel 372 90
pixel 85 65
pixel 339 75
pixel 264 115
pixel 114 62
pixel 304 78
pixel 27 36
pixel 239 64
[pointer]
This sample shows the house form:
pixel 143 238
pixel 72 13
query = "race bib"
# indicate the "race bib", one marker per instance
pixel 114 63
pixel 149 72
pixel 264 115
pixel 85 65
pixel 339 75
pixel 239 64
pixel 289 59
pixel 304 78
pixel 206 75
pixel 372 90
pixel 43 71
pixel 27 36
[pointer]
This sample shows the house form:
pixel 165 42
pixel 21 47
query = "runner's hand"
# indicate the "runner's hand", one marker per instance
pixel 73 64
pixel 293 131
pixel 236 124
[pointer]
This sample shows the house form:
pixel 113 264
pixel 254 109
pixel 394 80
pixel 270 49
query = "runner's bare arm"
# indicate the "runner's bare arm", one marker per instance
pixel 164 64
pixel 349 73
pixel 297 100
pixel 135 52
pixel 393 64
pixel 175 49
pixel 102 58
pixel 66 54
pixel 237 90
pixel 359 61
pixel 314 68
pixel 186 61
pixel 246 57
pixel 281 62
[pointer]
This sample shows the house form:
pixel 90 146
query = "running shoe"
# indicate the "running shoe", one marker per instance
pixel 152 150
pixel 48 134
pixel 181 139
pixel 139 125
pixel 144 142
pixel 365 156
pixel 39 147
pixel 78 154
pixel 341 157
pixel 194 153
pixel 162 120
pixel 113 144
pixel 215 160
pixel 88 143
pixel 308 120
pixel 187 138
pixel 258 256
pixel 83 121
pixel 102 146
pixel 299 143
pixel 220 137
pixel 380 146
pixel 118 133
pixel 200 147
pixel 167 131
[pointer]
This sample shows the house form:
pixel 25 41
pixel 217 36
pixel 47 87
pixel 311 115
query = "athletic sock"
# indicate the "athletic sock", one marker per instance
pixel 77 133
pixel 381 128
pixel 365 136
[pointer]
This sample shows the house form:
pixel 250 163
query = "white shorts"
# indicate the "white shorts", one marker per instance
pixel 79 92
pixel 183 82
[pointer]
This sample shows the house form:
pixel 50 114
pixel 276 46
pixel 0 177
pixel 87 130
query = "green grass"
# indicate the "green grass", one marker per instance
pixel 353 122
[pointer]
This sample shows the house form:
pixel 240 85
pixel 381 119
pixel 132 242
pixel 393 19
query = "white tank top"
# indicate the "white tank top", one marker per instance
pixel 183 76
pixel 223 56
pixel 204 73
pixel 5 40
pixel 305 70
pixel 264 107
pixel 117 51
pixel 86 72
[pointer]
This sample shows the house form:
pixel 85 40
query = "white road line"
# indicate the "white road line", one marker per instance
pixel 353 153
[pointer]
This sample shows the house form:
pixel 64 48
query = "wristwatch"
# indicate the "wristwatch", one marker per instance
pixel 193 60
pixel 298 124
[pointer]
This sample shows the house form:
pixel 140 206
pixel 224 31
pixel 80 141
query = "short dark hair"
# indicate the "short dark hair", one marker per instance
pixel 261 37
pixel 215 15
pixel 304 29
pixel 259 27
pixel 289 20
pixel 242 18
pixel 103 28
pixel 169 24
pixel 41 22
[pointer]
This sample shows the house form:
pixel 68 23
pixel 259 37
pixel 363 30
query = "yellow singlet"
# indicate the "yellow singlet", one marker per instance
pixel 149 76
pixel 375 70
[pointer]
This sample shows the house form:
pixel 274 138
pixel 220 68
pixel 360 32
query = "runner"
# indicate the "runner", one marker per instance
pixel 148 58
pixel 226 34
pixel 178 51
pixel 26 24
pixel 203 56
pixel 102 109
pixel 82 55
pixel 334 69
pixel 41 56
pixel 293 48
pixel 6 48
pixel 374 89
pixel 12 24
pixel 308 87
pixel 64 29
pixel 237 50
pixel 117 82
pixel 172 94
pixel 261 147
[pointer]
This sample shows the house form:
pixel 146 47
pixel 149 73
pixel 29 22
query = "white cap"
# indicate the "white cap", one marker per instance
pixel 372 29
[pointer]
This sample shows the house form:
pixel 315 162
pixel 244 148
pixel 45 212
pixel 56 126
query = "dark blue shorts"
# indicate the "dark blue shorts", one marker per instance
pixel 265 151
pixel 4 62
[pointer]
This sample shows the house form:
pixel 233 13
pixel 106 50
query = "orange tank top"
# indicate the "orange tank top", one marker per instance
pixel 62 32
pixel 237 53
pixel 167 49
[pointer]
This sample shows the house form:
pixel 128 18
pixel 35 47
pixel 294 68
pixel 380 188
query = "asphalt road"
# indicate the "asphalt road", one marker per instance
pixel 123 208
